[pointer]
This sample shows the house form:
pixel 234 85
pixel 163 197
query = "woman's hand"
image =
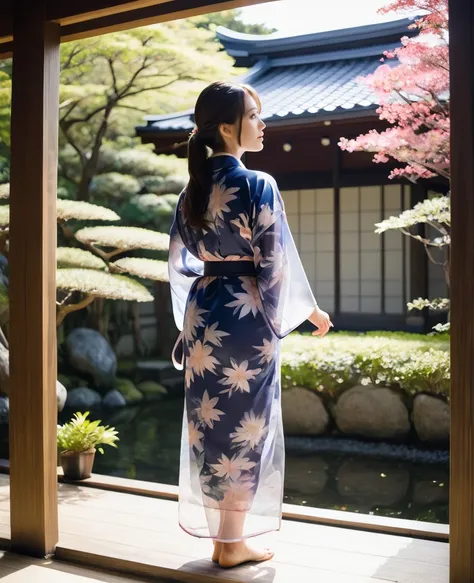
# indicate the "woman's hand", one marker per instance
pixel 322 321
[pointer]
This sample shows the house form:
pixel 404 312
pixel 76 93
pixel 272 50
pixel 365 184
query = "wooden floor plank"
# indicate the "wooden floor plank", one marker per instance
pixel 21 569
pixel 140 535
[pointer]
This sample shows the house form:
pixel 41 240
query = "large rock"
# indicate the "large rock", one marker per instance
pixel 89 352
pixel 61 395
pixel 371 482
pixel 114 398
pixel 4 409
pixel 83 398
pixel 4 369
pixel 372 412
pixel 431 419
pixel 303 412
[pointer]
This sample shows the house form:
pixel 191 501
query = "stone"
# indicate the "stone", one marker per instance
pixel 129 391
pixel 114 398
pixel 370 482
pixel 152 390
pixel 89 352
pixel 4 409
pixel 303 412
pixel 376 412
pixel 83 398
pixel 431 418
pixel 61 395
pixel 4 369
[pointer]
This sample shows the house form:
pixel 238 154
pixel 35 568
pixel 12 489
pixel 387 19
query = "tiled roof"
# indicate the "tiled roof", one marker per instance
pixel 320 82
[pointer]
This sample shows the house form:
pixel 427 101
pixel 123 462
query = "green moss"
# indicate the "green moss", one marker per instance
pixel 152 390
pixel 128 390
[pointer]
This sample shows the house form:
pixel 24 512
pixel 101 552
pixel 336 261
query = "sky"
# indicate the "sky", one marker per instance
pixel 303 16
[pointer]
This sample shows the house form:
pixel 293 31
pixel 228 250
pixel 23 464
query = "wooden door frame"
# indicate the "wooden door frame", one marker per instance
pixel 32 256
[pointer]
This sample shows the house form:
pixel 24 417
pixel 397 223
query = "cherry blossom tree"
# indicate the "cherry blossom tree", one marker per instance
pixel 413 97
pixel 412 86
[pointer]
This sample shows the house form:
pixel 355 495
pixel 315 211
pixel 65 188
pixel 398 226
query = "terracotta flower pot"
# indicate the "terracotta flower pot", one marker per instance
pixel 77 465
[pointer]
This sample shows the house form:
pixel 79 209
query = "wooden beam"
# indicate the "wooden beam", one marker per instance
pixel 154 14
pixel 95 17
pixel 32 268
pixel 75 11
pixel 461 39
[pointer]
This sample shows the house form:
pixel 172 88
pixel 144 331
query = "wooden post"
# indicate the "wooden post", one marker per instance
pixel 462 291
pixel 32 268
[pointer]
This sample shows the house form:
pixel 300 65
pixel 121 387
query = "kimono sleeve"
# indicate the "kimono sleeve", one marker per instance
pixel 183 270
pixel 284 289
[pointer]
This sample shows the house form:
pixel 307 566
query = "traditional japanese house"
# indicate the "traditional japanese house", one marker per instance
pixel 30 525
pixel 311 97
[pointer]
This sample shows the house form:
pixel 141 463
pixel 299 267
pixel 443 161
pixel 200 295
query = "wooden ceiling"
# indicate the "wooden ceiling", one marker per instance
pixel 83 18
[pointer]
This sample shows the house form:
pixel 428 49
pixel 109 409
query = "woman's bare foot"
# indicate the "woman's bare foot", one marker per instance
pixel 233 554
pixel 217 551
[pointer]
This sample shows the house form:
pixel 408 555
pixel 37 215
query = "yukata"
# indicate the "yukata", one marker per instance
pixel 232 447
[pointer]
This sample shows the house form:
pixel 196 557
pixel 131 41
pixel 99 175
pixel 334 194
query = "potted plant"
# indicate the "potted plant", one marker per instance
pixel 77 441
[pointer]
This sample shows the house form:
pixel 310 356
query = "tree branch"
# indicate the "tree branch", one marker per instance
pixel 68 137
pixel 64 310
pixel 114 78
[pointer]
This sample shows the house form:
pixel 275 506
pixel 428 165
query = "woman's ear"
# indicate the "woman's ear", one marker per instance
pixel 225 130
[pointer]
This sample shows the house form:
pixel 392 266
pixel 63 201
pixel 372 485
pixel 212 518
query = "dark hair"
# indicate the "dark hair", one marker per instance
pixel 218 103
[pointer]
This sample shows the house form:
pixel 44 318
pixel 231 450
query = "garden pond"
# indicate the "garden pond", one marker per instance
pixel 383 479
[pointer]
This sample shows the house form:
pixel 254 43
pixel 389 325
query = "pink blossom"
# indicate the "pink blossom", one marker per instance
pixel 414 98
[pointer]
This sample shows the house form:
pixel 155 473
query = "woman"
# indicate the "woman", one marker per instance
pixel 238 287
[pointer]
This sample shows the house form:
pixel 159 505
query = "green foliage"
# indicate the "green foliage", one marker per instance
pixel 152 390
pixel 150 210
pixel 409 362
pixel 124 238
pixel 4 216
pixel 114 185
pixel 65 210
pixel 5 98
pixel 140 162
pixel 230 19
pixel 100 284
pixel 80 434
pixel 109 82
pixel 144 268
pixel 83 211
pixel 72 257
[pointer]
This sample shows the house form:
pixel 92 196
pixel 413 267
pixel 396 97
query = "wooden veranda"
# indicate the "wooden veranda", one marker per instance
pixel 32 30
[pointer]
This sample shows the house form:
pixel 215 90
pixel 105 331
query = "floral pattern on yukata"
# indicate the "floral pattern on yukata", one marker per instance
pixel 232 449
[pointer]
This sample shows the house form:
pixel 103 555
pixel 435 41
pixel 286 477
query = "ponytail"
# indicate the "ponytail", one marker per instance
pixel 197 189
pixel 219 103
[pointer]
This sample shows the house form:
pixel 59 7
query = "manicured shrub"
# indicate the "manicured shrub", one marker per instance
pixel 413 363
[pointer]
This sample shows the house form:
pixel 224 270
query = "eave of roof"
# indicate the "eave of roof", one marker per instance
pixel 247 49
pixel 320 84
